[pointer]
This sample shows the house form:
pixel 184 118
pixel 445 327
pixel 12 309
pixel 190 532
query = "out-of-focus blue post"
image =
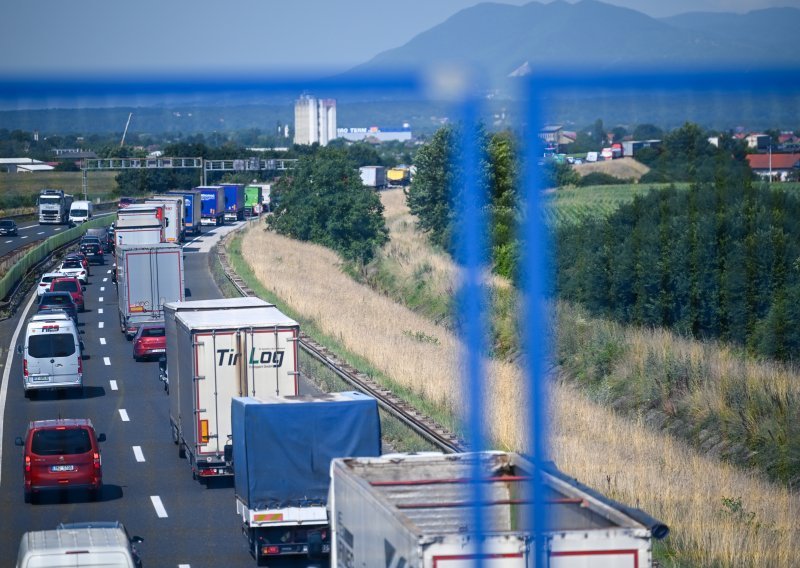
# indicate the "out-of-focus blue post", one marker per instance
pixel 471 241
pixel 534 327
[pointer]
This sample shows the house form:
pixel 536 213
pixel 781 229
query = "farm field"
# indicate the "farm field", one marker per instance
pixel 719 514
pixel 573 205
pixel 20 190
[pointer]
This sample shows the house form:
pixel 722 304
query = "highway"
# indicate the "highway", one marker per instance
pixel 146 485
pixel 31 232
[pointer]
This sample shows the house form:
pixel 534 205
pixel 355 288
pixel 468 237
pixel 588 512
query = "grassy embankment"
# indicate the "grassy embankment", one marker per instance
pixel 720 515
pixel 18 192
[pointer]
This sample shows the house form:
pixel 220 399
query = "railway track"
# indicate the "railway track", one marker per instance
pixel 427 428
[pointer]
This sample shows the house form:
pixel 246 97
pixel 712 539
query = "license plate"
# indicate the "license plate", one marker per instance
pixel 62 468
pixel 40 378
pixel 157 350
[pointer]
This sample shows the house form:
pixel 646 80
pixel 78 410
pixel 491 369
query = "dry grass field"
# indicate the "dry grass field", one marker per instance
pixel 622 168
pixel 719 515
pixel 18 191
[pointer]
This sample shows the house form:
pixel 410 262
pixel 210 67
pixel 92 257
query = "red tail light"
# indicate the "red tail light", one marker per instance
pixel 25 367
pixel 27 463
pixel 272 550
pixel 80 365
pixel 96 458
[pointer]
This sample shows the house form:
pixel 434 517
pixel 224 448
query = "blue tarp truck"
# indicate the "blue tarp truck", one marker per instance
pixel 212 198
pixel 282 453
pixel 192 210
pixel 234 201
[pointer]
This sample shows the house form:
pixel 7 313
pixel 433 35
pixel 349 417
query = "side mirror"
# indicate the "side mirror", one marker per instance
pixel 18 441
pixel 83 288
pixel 19 349
pixel 101 437
pixel 82 345
pixel 136 539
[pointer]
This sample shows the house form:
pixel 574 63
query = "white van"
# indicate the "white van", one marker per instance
pixel 81 211
pixel 52 353
pixel 105 544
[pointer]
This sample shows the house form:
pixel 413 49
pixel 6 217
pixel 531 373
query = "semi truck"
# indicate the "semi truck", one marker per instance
pixel 192 210
pixel 218 350
pixel 147 277
pixel 415 510
pixel 54 206
pixel 234 201
pixel 212 199
pixel 373 176
pixel 399 176
pixel 140 224
pixel 283 448
pixel 252 200
pixel 173 216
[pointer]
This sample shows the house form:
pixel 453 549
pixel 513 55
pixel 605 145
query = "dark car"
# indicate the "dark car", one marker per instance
pixel 124 202
pixel 102 233
pixel 73 286
pixel 61 454
pixel 58 301
pixel 93 251
pixel 8 227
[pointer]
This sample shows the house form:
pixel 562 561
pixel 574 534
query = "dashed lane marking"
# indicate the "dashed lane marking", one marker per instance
pixel 100 299
pixel 107 361
pixel 100 324
pixel 9 242
pixel 124 415
pixel 102 341
pixel 105 279
pixel 99 310
pixel 108 271
pixel 42 233
pixel 102 288
pixel 113 384
pixel 158 506
pixel 137 452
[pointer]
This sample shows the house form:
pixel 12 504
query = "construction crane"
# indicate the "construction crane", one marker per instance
pixel 127 124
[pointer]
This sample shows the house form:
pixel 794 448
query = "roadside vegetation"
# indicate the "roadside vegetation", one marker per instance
pixel 720 515
pixel 18 192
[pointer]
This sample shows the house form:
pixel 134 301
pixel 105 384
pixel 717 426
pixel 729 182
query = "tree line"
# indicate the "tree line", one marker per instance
pixel 720 260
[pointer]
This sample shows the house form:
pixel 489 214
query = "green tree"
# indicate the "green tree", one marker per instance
pixel 325 201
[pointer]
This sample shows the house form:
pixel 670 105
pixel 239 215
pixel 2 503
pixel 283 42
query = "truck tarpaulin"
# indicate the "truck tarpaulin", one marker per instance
pixel 283 447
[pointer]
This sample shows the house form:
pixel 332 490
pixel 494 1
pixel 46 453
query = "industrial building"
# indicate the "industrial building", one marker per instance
pixel 376 134
pixel 314 120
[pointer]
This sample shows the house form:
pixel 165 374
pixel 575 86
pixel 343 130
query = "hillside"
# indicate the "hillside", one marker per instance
pixel 596 36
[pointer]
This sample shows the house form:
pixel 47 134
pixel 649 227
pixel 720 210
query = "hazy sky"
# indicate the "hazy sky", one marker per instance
pixel 48 37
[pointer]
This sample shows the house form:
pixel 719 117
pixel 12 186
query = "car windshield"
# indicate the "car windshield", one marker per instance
pixel 68 441
pixel 66 286
pixel 71 264
pixel 49 278
pixel 51 345
pixel 6 223
pixel 80 212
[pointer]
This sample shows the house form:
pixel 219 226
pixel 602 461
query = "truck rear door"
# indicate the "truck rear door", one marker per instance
pixel 271 363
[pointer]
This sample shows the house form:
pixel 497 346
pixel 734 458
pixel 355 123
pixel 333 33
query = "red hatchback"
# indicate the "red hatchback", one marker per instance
pixel 150 341
pixel 71 285
pixel 61 454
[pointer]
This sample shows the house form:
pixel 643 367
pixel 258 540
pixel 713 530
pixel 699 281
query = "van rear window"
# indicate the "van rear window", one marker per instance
pixel 51 345
pixel 61 442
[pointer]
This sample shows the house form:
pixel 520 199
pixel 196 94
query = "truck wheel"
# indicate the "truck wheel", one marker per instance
pixel 182 452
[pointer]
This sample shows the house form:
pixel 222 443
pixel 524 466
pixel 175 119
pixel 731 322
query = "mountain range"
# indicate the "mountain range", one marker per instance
pixel 499 39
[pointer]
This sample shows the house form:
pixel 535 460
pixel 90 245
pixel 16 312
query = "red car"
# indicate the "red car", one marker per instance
pixel 71 285
pixel 150 341
pixel 61 454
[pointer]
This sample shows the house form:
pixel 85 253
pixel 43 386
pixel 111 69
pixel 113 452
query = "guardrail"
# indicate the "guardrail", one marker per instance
pixel 35 255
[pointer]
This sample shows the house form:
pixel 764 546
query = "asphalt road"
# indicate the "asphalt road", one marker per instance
pixel 146 485
pixel 31 232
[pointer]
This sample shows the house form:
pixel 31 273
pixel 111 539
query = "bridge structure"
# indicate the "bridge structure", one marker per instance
pixel 248 164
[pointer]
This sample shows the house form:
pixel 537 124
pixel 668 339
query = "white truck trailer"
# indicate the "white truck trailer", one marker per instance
pixel 373 176
pixel 218 350
pixel 173 216
pixel 414 510
pixel 140 224
pixel 148 276
pixel 283 448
